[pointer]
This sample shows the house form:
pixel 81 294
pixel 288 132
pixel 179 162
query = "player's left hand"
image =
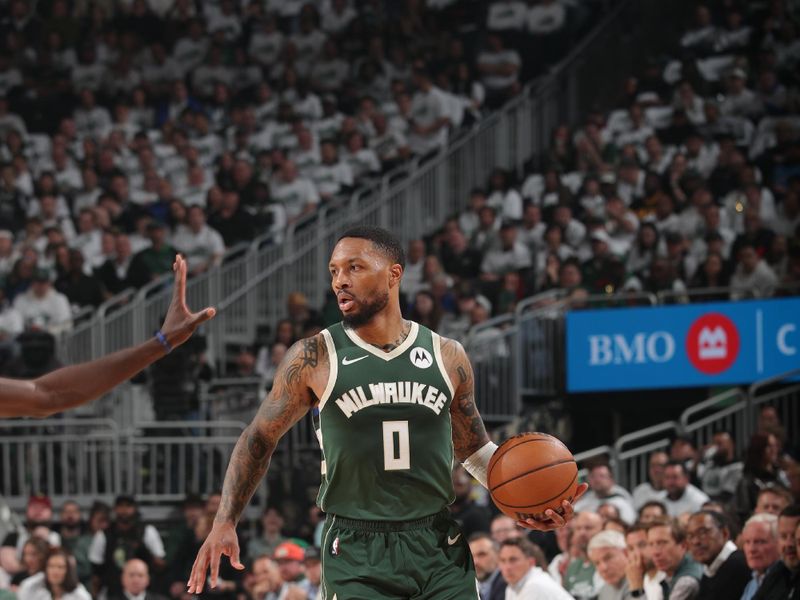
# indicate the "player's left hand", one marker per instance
pixel 556 520
pixel 180 322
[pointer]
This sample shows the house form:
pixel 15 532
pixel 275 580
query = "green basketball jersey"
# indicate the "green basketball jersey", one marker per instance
pixel 383 424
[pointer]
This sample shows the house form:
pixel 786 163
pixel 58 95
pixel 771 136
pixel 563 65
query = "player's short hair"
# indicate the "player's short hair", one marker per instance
pixel 527 547
pixel 382 239
pixel 607 539
pixel 675 529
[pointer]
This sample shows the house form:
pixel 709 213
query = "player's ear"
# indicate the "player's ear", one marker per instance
pixel 395 274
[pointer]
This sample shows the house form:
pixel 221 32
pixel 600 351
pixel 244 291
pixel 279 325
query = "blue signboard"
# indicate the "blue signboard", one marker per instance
pixel 682 346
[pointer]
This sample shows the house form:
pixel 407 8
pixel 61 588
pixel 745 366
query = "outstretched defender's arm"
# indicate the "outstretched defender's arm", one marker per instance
pixel 292 395
pixel 72 386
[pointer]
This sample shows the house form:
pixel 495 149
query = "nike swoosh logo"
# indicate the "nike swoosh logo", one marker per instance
pixel 451 541
pixel 346 361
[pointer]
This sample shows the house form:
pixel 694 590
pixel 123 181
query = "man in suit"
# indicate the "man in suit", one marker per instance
pixel 484 552
pixel 725 571
pixel 135 581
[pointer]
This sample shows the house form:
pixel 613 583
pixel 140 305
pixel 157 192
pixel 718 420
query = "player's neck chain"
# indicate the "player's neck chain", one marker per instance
pixel 392 345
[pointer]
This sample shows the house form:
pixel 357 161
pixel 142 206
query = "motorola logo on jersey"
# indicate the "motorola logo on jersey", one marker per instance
pixel 421 358
pixel 712 343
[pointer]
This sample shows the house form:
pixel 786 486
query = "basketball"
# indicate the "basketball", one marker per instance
pixel 530 473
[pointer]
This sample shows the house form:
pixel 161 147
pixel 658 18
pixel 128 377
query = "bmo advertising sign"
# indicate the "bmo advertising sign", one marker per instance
pixel 682 346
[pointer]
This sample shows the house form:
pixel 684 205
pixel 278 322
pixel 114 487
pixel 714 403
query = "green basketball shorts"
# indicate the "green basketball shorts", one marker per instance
pixel 426 559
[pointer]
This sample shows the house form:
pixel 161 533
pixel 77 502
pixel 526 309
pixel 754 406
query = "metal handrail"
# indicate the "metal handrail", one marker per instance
pixel 644 433
pixel 733 393
pixel 755 389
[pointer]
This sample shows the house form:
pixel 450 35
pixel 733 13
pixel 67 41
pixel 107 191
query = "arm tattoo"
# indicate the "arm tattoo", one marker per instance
pixel 469 432
pixel 288 401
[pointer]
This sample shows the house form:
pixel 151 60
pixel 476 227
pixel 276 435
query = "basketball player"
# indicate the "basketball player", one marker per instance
pixel 72 386
pixel 392 403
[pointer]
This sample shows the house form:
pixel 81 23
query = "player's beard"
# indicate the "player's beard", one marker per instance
pixel 366 310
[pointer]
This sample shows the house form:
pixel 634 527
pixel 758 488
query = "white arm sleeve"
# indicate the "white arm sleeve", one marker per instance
pixel 477 463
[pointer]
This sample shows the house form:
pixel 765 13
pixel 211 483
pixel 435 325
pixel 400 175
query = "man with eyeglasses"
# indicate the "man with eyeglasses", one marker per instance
pixel 725 571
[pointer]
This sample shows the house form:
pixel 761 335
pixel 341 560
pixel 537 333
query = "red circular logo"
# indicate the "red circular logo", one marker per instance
pixel 712 343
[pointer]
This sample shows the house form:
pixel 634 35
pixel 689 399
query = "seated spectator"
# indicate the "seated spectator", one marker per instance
pixel 231 220
pixel 499 68
pixel 526 580
pixel 652 510
pixel 760 543
pixel 202 245
pixel 99 519
pixel 604 490
pixel 70 526
pixel 429 119
pixel 426 310
pixel 761 468
pixel 266 580
pixel 34 558
pixel 135 582
pixel 472 517
pixel 271 534
pixel 721 470
pixel 504 528
pixel 363 161
pixel 667 544
pixel 126 538
pixel 510 255
pixel 680 496
pixel 580 578
pixel 79 288
pixel 491 584
pixel 332 176
pixel 290 557
pixel 725 572
pixel 602 273
pixel 297 194
pixel 43 307
pixel 311 586
pixel 652 488
pixel 781 578
pixel 772 500
pixel 641 573
pixel 609 557
pixel 753 276
pixel 504 198
pixel 113 273
pixel 152 262
pixel 58 580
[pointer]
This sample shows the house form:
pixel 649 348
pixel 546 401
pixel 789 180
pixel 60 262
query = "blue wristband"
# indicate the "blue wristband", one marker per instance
pixel 163 339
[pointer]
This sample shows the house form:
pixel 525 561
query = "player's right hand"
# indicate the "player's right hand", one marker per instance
pixel 221 540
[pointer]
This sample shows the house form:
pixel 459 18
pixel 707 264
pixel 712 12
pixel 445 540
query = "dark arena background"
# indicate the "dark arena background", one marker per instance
pixel 600 199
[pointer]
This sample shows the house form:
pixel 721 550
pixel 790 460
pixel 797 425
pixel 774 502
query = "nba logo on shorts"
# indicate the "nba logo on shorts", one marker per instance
pixel 712 343
pixel 421 358
pixel 335 547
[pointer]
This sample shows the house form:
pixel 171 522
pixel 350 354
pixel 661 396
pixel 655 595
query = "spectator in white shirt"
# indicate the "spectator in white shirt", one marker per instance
pixel 739 100
pixel 604 490
pixel 548 16
pixel 652 488
pixel 510 255
pixel 363 161
pixel 680 496
pixel 91 120
pixel 266 44
pixel 190 50
pixel 429 118
pixel 298 195
pixel 58 580
pixel 504 198
pixel 506 15
pixel 499 68
pixel 753 276
pixel 89 238
pixel 43 307
pixel 337 16
pixel 332 175
pixel 526 580
pixel 202 245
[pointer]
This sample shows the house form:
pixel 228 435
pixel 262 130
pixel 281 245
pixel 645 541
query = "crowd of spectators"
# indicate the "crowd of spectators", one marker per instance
pixel 132 130
pixel 709 523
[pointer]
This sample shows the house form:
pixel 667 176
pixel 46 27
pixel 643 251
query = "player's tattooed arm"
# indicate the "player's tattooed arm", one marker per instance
pixel 469 432
pixel 289 400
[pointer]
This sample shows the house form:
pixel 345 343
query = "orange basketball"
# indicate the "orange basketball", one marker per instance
pixel 530 473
